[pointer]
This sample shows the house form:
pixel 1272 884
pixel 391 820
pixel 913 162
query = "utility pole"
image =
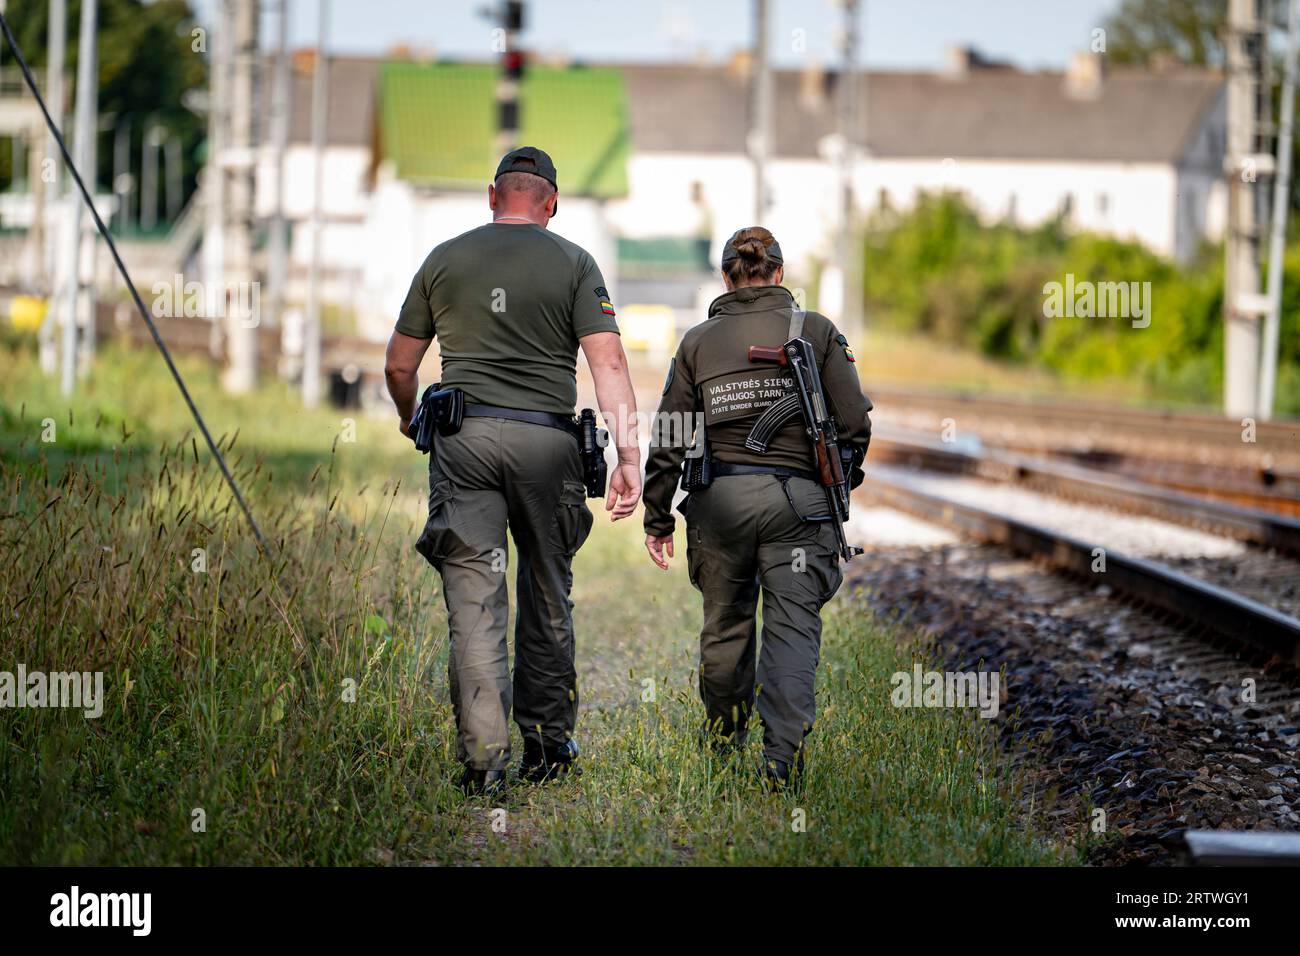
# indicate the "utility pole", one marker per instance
pixel 278 251
pixel 150 143
pixel 88 128
pixel 849 267
pixel 760 132
pixel 172 155
pixel 83 156
pixel 123 187
pixel 311 377
pixel 53 211
pixel 512 72
pixel 214 176
pixel 35 186
pixel 242 319
pixel 1247 161
pixel 1281 205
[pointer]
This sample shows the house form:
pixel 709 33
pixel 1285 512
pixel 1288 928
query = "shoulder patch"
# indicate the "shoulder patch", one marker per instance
pixel 672 368
pixel 601 293
pixel 844 344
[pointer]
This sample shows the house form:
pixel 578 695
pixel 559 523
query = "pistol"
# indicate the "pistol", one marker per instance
pixel 592 441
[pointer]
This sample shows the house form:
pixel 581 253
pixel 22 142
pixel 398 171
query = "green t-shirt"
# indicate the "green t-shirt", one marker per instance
pixel 508 303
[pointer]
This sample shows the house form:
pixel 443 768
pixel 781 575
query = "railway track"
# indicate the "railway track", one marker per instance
pixel 1086 418
pixel 1197 602
pixel 1111 707
pixel 1216 458
pixel 1164 694
pixel 1258 526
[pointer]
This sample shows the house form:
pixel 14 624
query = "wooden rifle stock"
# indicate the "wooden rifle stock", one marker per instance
pixel 828 464
pixel 766 353
pixel 825 470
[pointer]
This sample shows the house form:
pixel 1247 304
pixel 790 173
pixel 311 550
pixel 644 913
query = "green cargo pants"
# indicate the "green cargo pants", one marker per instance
pixel 746 534
pixel 493 474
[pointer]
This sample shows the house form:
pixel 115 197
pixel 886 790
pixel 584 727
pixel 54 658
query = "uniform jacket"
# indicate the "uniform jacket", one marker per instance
pixel 711 376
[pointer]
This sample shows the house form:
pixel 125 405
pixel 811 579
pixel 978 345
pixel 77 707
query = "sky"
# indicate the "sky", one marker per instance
pixel 899 34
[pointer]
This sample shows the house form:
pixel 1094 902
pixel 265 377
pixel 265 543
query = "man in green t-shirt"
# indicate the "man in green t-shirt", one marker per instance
pixel 510 304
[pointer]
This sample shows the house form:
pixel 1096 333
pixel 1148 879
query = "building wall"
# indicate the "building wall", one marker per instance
pixel 345 205
pixel 1202 193
pixel 1133 201
pixel 347 186
pixel 660 203
pixel 1164 207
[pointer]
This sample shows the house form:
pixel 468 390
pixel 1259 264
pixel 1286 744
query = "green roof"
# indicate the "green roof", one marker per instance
pixel 437 124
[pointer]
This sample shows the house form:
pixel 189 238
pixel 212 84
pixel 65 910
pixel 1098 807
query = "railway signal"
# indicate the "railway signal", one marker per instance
pixel 513 62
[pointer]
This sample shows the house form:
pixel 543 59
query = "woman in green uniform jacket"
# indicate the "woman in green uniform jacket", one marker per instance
pixel 762 525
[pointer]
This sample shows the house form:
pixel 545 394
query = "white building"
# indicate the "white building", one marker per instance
pixel 654 174
pixel 1132 154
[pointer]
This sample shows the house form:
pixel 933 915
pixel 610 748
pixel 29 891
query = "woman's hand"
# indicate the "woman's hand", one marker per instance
pixel 658 546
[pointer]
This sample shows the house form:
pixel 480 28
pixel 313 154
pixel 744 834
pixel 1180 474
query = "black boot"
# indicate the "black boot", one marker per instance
pixel 482 783
pixel 780 775
pixel 727 749
pixel 542 763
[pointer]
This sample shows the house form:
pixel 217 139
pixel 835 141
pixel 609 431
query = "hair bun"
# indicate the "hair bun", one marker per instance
pixel 751 256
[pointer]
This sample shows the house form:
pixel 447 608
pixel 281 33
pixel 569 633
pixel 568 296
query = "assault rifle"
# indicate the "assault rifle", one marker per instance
pixel 808 400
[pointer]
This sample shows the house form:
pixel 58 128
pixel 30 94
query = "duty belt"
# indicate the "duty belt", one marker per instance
pixel 722 468
pixel 549 419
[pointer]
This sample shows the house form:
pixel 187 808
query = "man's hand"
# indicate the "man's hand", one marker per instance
pixel 624 490
pixel 401 368
pixel 617 403
pixel 658 546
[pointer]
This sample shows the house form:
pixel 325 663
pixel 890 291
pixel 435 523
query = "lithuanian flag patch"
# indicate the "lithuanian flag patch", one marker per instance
pixel 848 352
pixel 605 305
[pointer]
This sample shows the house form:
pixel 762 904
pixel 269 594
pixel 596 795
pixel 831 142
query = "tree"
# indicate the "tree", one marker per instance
pixel 1143 32
pixel 149 58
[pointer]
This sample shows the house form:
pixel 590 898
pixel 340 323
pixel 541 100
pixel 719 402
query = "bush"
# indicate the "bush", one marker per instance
pixel 939 272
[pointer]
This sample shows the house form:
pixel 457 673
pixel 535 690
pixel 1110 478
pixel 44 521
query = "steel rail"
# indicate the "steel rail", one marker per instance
pixel 1193 601
pixel 1258 527
pixel 1164 422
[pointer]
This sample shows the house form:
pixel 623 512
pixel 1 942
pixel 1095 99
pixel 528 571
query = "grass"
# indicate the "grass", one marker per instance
pixel 888 358
pixel 229 696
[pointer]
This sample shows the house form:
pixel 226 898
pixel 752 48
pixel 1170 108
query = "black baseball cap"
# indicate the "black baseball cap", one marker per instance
pixel 729 250
pixel 527 159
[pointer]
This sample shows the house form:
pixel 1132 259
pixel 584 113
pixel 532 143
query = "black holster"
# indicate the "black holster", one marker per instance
pixel 591 443
pixel 697 471
pixel 851 464
pixel 441 410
